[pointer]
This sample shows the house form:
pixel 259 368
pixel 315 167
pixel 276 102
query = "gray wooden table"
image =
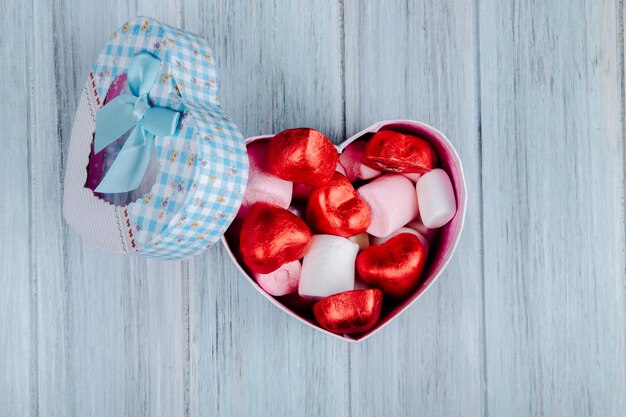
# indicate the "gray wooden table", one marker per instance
pixel 528 319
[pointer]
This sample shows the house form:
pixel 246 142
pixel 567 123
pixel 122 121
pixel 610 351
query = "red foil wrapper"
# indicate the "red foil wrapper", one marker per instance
pixel 399 152
pixel 335 209
pixel 271 236
pixel 394 266
pixel 302 155
pixel 354 311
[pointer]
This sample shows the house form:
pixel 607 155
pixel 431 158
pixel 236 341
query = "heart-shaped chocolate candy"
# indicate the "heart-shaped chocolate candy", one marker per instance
pixel 348 312
pixel 399 152
pixel 394 266
pixel 270 237
pixel 334 208
pixel 302 155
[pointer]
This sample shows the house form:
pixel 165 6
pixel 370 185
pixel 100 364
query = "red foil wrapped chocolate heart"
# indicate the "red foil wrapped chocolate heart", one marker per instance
pixel 302 155
pixel 354 311
pixel 271 236
pixel 394 266
pixel 399 152
pixel 335 209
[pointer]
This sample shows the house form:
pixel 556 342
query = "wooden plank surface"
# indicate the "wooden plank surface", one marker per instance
pixel 415 60
pixel 553 214
pixel 16 335
pixel 112 330
pixel 527 320
pixel 280 67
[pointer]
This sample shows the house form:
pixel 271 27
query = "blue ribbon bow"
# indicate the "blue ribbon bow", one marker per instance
pixel 128 110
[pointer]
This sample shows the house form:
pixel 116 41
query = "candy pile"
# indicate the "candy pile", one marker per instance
pixel 336 234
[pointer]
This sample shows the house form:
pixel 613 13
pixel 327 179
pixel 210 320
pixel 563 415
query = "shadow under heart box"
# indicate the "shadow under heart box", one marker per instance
pixel 157 168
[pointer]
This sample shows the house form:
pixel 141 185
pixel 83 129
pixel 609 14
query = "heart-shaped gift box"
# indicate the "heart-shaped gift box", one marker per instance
pixel 441 249
pixel 149 73
pixel 157 87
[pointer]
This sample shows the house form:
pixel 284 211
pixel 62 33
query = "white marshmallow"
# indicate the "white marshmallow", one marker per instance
pixel 435 197
pixel 381 240
pixel 328 266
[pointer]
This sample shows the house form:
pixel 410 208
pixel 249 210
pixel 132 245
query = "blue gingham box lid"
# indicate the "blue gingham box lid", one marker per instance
pixel 202 167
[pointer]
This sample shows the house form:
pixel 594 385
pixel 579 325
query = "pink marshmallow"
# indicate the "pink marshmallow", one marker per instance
pixel 435 194
pixel 283 281
pixel 423 240
pixel 263 186
pixel 417 224
pixel 413 177
pixel 341 169
pixel 392 201
pixel 350 159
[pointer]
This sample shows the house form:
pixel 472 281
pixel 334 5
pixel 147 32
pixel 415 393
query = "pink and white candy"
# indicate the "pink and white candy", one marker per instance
pixel 263 186
pixel 283 281
pixel 435 195
pixel 350 159
pixel 392 201
pixel 328 266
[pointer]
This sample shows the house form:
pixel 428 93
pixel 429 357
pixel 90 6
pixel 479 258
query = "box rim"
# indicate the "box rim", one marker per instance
pixel 461 210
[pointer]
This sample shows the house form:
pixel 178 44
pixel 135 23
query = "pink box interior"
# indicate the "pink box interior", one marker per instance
pixel 441 249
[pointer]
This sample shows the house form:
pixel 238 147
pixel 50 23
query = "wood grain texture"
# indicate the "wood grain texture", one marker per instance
pixel 527 320
pixel 112 330
pixel 280 67
pixel 16 335
pixel 553 193
pixel 415 60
